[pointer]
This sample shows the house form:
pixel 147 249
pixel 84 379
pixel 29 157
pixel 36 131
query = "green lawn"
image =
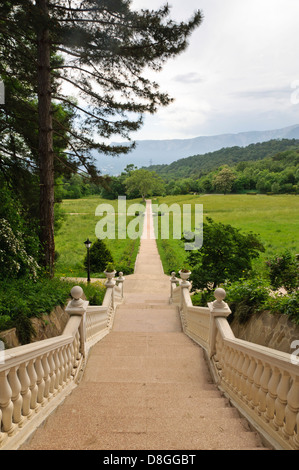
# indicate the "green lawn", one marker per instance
pixel 274 218
pixel 80 223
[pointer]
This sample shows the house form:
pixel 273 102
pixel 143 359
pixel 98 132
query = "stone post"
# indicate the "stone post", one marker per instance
pixel 218 308
pixel 185 284
pixel 173 282
pixel 78 307
pixel 120 282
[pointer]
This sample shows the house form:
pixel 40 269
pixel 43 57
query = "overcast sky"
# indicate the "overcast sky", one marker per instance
pixel 239 73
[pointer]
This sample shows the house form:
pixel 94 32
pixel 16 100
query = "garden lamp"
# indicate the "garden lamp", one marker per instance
pixel 87 243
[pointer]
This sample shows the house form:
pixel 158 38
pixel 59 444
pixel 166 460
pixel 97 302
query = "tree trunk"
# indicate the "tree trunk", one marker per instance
pixel 46 155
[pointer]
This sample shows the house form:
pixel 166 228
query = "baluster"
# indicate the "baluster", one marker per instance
pixel 33 385
pixel 244 372
pixel 226 365
pixel 52 374
pixel 239 368
pixel 16 397
pixel 234 380
pixel 2 436
pixel 229 361
pixel 73 360
pixel 69 361
pixel 292 408
pixel 6 404
pixel 263 391
pixel 62 368
pixel 25 391
pixel 257 383
pixel 218 353
pixel 46 376
pixel 66 365
pixel 40 381
pixel 272 395
pixel 57 371
pixel 249 387
pixel 296 437
pixel 281 400
pixel 78 353
pixel 233 359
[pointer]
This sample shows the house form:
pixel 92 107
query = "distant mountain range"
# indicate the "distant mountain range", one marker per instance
pixel 157 152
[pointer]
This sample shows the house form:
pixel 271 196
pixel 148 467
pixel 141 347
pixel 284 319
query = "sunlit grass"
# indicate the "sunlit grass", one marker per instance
pixel 274 218
pixel 79 224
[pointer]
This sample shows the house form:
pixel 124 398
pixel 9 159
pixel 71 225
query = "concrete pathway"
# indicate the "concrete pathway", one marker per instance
pixel 146 385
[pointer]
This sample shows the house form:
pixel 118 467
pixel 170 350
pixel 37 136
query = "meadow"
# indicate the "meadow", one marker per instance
pixel 80 222
pixel 274 218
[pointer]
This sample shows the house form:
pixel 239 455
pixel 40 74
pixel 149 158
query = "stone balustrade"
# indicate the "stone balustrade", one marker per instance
pixel 35 378
pixel 262 383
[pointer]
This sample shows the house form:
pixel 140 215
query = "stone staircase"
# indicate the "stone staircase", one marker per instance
pixel 146 385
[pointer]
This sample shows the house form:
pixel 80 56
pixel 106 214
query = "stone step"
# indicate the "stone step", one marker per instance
pixel 145 306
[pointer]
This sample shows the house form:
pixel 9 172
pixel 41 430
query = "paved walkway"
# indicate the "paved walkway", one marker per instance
pixel 146 385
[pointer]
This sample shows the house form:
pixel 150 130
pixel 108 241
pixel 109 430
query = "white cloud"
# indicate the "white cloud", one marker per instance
pixel 237 72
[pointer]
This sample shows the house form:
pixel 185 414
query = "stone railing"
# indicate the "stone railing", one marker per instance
pixel 262 383
pixel 36 378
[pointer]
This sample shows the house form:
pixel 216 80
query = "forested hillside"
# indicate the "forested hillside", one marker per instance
pixel 271 167
pixel 197 165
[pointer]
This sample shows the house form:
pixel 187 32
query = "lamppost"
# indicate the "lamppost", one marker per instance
pixel 87 243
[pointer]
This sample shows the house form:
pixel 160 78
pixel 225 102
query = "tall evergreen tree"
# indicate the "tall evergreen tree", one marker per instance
pixel 105 47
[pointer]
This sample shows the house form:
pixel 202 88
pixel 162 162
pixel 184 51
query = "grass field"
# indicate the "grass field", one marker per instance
pixel 80 223
pixel 274 218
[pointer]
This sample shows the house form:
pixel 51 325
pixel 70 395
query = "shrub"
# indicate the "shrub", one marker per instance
pixel 100 256
pixel 14 258
pixel 284 271
pixel 285 304
pixel 246 297
pixel 201 299
pixel 226 255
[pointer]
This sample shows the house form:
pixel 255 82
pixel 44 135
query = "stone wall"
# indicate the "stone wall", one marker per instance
pixel 274 331
pixel 48 326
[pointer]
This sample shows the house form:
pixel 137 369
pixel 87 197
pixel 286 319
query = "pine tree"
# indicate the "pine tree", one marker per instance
pixel 104 48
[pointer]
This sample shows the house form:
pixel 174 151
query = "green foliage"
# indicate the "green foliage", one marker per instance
pixel 284 271
pixel 94 292
pixel 24 328
pixel 19 245
pixel 226 254
pixel 126 261
pixel 197 166
pixel 202 298
pixel 145 183
pixel 268 168
pixel 14 259
pixel 246 297
pixel 223 181
pixel 284 304
pixel 23 299
pixel 109 268
pixel 100 256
